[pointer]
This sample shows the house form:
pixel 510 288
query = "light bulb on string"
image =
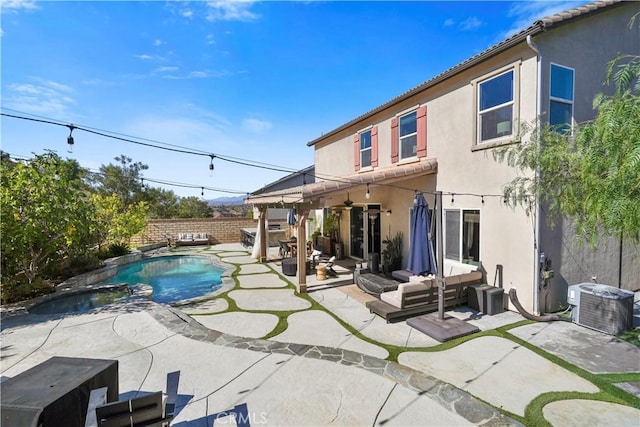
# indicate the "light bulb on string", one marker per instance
pixel 202 192
pixel 367 195
pixel 452 198
pixel 211 165
pixel 70 140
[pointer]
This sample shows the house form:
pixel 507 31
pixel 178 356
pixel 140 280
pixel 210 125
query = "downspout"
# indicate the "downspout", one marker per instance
pixel 536 242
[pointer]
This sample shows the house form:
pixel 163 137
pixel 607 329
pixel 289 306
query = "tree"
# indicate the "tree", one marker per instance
pixel 192 207
pixel 161 203
pixel 594 176
pixel 116 223
pixel 123 180
pixel 45 214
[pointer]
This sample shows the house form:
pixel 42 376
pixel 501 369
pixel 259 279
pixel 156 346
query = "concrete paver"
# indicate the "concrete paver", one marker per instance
pixel 264 280
pixel 250 325
pixel 318 328
pixel 498 371
pixel 573 413
pixel 268 300
pixel 254 268
pixel 369 324
pixel 606 354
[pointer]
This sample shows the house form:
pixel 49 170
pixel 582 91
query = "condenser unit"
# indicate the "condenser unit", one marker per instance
pixel 601 307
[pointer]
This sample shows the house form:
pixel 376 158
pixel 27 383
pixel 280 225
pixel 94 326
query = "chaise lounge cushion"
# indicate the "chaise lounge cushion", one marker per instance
pixel 395 297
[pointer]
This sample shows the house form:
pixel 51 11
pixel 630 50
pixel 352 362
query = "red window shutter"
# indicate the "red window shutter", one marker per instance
pixel 374 146
pixel 421 149
pixel 356 151
pixel 395 140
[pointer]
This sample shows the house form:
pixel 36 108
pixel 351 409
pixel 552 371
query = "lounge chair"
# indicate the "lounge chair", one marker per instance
pixel 147 410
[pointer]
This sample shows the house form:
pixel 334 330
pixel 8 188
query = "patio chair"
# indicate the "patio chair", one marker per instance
pixel 284 249
pixel 148 410
pixel 329 265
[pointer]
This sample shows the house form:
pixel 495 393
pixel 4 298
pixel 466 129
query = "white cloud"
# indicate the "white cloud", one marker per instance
pixel 16 6
pixel 187 13
pixel 230 10
pixel 158 42
pixel 471 23
pixel 448 22
pixel 165 69
pixel 256 125
pixel 44 97
pixel 144 57
pixel 210 39
pixel 198 74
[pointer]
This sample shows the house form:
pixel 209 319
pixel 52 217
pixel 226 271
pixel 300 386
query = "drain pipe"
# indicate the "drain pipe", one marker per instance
pixel 536 217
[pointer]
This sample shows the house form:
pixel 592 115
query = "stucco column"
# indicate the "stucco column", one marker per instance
pixel 302 251
pixel 262 230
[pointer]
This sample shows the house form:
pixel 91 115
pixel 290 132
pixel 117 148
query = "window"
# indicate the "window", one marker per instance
pixel 365 149
pixel 462 236
pixel 495 107
pixel 561 98
pixel 408 135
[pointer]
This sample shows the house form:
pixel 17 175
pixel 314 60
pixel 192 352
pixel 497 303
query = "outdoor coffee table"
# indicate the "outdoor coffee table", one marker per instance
pixel 56 392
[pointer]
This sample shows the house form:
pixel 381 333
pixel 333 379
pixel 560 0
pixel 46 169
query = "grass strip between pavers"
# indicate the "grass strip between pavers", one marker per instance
pixel 609 392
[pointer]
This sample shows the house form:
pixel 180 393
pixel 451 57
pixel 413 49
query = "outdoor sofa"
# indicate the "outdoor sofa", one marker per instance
pixel 412 299
pixel 192 239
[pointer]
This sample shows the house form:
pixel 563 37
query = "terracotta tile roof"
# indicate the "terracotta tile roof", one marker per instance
pixel 537 27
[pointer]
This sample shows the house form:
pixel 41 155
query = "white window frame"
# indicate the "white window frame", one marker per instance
pixel 461 211
pixel 563 100
pixel 401 137
pixel 370 149
pixel 511 103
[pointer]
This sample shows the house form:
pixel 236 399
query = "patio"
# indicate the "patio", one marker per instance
pixel 264 345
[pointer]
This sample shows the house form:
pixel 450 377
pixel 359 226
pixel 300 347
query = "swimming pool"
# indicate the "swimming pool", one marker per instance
pixel 173 278
pixel 80 302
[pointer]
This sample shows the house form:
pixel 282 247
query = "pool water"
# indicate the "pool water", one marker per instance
pixel 173 278
pixel 80 302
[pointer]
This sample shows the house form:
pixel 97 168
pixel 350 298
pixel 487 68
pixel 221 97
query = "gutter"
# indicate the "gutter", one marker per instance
pixel 536 242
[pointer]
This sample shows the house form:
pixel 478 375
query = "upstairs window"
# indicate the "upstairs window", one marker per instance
pixel 365 149
pixel 495 107
pixel 561 98
pixel 462 236
pixel 408 135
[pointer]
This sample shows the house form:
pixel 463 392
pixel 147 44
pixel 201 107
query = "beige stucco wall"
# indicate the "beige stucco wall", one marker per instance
pixel 506 235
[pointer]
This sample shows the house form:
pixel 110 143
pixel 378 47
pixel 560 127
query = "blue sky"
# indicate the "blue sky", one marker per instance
pixel 254 81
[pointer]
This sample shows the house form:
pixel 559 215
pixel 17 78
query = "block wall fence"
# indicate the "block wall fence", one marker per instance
pixel 221 230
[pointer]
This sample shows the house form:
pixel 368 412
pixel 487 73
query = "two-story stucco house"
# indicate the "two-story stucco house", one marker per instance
pixel 439 137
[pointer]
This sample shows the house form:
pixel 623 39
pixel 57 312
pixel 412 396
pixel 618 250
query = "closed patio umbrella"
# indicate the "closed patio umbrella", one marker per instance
pixel 421 260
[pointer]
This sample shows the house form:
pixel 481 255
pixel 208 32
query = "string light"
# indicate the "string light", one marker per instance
pixel 70 140
pixel 202 192
pixel 250 163
pixel 452 197
pixel 367 195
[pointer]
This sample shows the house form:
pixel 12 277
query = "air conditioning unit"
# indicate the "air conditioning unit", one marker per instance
pixel 601 307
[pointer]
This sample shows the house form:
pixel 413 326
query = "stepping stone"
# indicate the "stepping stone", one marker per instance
pixel 254 268
pixel 261 281
pixel 248 325
pixel 268 300
pixel 303 329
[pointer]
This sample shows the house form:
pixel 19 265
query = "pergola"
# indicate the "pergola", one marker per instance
pixel 304 198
